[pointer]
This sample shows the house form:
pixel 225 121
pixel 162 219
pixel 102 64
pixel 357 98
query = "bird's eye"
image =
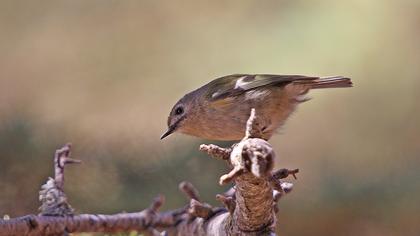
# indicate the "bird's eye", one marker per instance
pixel 179 111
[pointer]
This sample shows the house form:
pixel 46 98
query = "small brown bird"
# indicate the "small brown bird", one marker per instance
pixel 220 109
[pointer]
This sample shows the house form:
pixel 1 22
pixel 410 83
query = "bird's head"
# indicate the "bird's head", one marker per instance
pixel 181 117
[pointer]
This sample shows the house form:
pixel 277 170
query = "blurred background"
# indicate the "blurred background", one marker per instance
pixel 105 74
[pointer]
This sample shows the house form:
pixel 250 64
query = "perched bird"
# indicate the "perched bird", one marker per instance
pixel 220 109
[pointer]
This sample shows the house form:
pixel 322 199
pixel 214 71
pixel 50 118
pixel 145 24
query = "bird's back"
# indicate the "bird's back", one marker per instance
pixel 226 102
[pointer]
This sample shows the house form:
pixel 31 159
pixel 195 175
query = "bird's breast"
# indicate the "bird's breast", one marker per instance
pixel 225 119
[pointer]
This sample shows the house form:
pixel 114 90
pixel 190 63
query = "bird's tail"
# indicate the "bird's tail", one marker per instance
pixel 327 82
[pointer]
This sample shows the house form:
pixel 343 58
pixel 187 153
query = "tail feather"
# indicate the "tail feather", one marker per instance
pixel 327 82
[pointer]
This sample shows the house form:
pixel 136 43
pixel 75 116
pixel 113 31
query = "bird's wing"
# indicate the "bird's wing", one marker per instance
pixel 232 85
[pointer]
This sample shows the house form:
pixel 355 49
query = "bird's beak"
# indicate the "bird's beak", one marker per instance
pixel 170 130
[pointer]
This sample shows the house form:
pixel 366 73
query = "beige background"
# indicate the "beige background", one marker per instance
pixel 104 75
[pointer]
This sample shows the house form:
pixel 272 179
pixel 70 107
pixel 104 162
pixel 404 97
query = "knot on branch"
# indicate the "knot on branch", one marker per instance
pixel 252 154
pixel 54 200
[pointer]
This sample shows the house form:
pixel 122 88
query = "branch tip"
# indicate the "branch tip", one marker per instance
pixel 284 173
pixel 253 129
pixel 189 189
pixel 216 151
pixel 227 201
pixel 157 202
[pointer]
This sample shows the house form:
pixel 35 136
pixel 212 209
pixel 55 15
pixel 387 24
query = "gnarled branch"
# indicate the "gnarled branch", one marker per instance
pixel 249 206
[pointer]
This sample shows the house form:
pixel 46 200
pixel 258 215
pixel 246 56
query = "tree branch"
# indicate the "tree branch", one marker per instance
pixel 249 206
pixel 253 204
